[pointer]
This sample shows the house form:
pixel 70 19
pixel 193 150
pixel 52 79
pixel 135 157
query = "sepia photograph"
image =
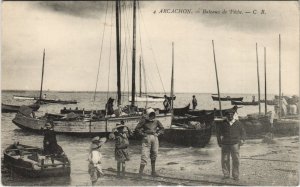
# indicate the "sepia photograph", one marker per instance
pixel 150 93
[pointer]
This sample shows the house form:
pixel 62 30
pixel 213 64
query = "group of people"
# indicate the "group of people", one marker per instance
pixel 148 128
pixel 230 136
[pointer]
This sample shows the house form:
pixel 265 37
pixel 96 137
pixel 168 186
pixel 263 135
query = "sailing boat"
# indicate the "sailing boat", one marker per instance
pixel 102 124
pixel 43 100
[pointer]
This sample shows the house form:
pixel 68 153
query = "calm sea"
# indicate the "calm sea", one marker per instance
pixel 77 148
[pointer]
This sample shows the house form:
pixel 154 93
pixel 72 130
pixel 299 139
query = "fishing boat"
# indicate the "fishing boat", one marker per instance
pixel 184 135
pixel 84 126
pixel 244 103
pixel 146 99
pixel 57 101
pixel 15 108
pixel 21 97
pixel 30 161
pixel 228 98
pixel 89 125
pixel 43 100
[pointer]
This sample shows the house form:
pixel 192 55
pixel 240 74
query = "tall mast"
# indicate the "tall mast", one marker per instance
pixel 220 107
pixel 118 53
pixel 258 82
pixel 41 90
pixel 172 78
pixel 279 77
pixel 133 54
pixel 140 76
pixel 265 80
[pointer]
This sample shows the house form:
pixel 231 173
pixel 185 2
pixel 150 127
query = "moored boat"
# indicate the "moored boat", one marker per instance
pixel 244 103
pixel 15 108
pixel 30 161
pixel 82 125
pixel 188 136
pixel 228 98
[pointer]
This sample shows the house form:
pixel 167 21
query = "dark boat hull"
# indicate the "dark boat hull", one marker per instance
pixel 227 98
pixel 30 167
pixel 14 108
pixel 47 101
pixel 244 103
pixel 188 137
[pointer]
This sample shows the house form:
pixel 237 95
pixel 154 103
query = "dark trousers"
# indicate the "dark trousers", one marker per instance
pixel 232 150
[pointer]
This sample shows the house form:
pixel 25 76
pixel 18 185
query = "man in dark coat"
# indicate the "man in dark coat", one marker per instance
pixel 194 102
pixel 231 135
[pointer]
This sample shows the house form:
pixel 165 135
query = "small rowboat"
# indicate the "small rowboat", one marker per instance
pixel 30 161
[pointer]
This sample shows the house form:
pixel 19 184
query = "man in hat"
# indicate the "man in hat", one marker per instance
pixel 149 128
pixel 94 167
pixel 231 135
pixel 194 102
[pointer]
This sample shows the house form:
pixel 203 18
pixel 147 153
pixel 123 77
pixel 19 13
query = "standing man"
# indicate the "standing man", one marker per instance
pixel 150 129
pixel 194 102
pixel 231 135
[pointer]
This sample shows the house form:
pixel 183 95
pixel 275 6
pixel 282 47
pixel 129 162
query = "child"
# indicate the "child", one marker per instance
pixel 121 153
pixel 94 167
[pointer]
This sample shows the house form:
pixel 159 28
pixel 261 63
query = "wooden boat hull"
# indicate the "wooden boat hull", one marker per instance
pixel 30 167
pixel 84 127
pixel 256 126
pixel 227 98
pixel 159 97
pixel 188 137
pixel 244 103
pixel 47 101
pixel 24 97
pixel 147 99
pixel 14 108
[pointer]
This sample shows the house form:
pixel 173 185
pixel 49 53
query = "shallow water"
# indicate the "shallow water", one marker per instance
pixel 77 148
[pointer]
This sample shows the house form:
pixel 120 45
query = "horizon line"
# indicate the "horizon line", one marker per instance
pixel 155 92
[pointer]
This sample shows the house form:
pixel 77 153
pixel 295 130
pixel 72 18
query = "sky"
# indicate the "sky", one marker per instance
pixel 73 34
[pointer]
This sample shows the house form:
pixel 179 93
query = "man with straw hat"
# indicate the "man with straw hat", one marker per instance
pixel 231 135
pixel 94 167
pixel 149 128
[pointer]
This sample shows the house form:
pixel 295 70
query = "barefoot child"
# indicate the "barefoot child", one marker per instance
pixel 121 152
pixel 95 157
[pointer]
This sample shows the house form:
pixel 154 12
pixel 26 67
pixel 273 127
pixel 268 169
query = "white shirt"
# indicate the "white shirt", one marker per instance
pixel 95 157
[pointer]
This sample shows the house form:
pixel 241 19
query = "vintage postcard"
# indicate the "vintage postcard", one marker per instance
pixel 150 93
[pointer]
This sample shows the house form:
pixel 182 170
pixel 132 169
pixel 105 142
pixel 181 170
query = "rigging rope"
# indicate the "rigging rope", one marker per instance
pixel 142 19
pixel 99 63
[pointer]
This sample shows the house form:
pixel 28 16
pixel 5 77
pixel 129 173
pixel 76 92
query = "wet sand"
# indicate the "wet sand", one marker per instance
pixel 261 164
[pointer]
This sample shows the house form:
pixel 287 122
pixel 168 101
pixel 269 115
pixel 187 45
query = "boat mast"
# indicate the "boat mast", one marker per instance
pixel 41 90
pixel 172 79
pixel 279 77
pixel 258 82
pixel 220 107
pixel 118 53
pixel 265 80
pixel 140 76
pixel 133 54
